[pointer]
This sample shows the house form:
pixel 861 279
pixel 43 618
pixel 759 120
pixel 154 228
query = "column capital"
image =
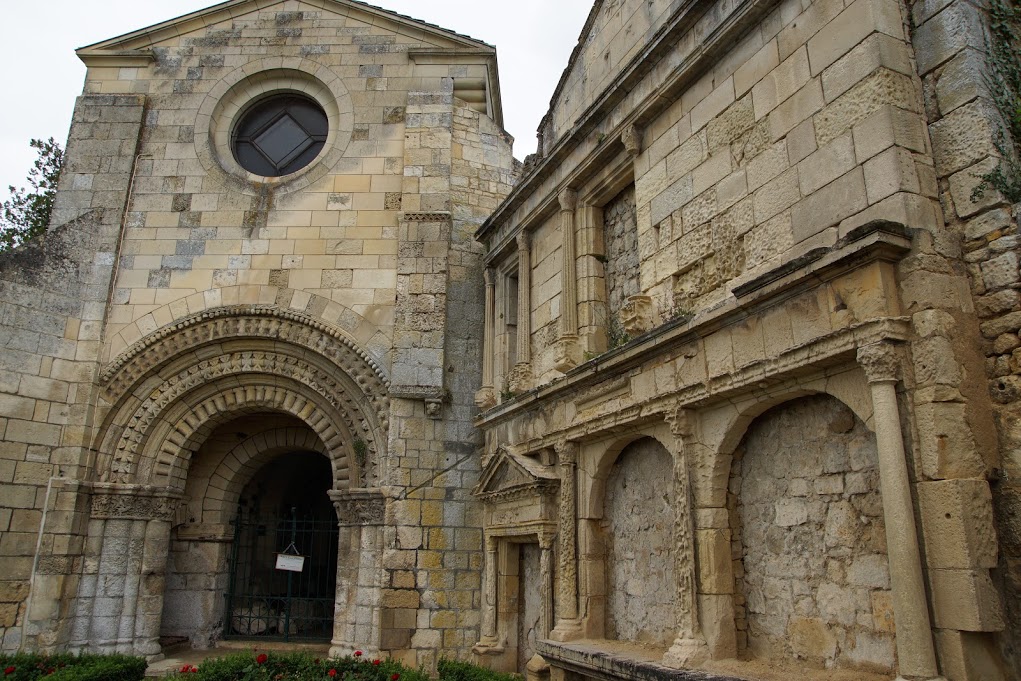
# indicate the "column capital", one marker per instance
pixel 489 276
pixel 522 240
pixel 682 422
pixel 568 199
pixel 567 452
pixel 879 361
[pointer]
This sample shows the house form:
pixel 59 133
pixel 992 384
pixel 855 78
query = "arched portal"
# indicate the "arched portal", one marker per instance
pixel 245 406
pixel 257 484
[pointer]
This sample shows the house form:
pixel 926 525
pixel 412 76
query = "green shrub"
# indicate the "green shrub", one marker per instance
pixel 67 667
pixel 453 670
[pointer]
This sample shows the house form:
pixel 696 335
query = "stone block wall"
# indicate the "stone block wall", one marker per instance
pixel 809 540
pixel 53 294
pixel 951 41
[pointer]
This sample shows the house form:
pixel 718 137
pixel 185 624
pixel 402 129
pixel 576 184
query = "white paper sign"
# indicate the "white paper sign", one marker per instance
pixel 290 563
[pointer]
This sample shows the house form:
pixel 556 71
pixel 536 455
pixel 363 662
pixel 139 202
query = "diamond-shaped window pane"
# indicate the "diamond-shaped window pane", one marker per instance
pixel 282 141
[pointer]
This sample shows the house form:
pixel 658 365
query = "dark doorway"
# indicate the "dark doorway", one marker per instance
pixel 285 510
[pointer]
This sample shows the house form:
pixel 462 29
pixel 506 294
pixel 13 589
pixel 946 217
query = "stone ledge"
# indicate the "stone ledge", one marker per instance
pixel 632 662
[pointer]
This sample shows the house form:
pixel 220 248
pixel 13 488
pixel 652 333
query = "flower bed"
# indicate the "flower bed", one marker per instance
pixel 261 666
pixel 67 667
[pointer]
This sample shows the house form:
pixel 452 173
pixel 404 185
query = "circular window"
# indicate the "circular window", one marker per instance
pixel 280 135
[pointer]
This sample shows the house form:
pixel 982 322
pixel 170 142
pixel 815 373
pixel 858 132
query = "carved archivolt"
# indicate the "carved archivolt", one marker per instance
pixel 348 388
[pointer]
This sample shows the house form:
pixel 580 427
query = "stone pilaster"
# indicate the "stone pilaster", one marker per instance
pixel 690 646
pixel 915 652
pixel 568 351
pixel 361 599
pixel 486 395
pixel 521 374
pixel 546 586
pixel 568 622
pixel 489 642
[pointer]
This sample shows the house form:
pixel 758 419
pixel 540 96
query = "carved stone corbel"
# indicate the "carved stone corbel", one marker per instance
pixel 636 315
pixel 631 138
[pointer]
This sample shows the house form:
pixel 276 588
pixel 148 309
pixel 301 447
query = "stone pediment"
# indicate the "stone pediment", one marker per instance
pixel 508 475
pixel 135 46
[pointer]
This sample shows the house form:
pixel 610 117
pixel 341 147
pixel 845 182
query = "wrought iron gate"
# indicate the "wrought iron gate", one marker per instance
pixel 273 604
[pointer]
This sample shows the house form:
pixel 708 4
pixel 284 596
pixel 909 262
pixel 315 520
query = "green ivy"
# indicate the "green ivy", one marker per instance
pixel 1004 60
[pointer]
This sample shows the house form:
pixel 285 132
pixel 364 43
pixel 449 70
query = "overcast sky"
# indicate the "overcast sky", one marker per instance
pixel 42 75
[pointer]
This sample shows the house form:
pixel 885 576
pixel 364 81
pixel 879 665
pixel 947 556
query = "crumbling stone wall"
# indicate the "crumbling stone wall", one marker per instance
pixel 620 230
pixel 810 546
pixel 951 41
pixel 638 515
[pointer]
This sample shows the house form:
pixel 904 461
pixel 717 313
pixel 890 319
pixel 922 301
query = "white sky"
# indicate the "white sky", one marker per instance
pixel 42 76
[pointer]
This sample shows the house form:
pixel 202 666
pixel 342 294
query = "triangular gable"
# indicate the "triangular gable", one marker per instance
pixel 507 472
pixel 145 38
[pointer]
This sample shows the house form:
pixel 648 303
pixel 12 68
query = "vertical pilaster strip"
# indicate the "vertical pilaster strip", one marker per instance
pixel 690 647
pixel 486 396
pixel 568 352
pixel 567 604
pixel 546 586
pixel 522 374
pixel 915 652
pixel 489 606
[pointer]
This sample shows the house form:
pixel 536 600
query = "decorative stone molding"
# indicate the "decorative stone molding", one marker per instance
pixel 631 138
pixel 134 502
pixel 356 508
pixel 436 216
pixel 345 398
pixel 245 321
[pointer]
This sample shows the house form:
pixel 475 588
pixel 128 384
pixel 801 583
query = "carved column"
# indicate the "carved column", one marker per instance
pixel 486 396
pixel 521 377
pixel 568 352
pixel 690 647
pixel 915 652
pixel 568 621
pixel 489 642
pixel 546 584
pixel 360 574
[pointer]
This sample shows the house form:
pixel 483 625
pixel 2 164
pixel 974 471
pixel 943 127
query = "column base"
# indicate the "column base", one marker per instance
pixel 567 630
pixel 687 652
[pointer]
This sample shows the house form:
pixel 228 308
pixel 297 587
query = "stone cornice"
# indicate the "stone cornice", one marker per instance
pixel 871 243
pixel 718 41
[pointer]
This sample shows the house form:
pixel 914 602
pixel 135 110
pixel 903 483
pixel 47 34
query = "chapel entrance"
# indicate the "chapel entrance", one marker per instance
pixel 283 557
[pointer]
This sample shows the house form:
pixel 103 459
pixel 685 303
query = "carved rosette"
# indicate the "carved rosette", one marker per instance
pixel 880 362
pixel 359 507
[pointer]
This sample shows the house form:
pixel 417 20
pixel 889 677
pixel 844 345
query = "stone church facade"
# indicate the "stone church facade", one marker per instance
pixel 724 372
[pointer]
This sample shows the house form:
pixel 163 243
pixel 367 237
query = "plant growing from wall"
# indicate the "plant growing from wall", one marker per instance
pixel 27 213
pixel 1004 58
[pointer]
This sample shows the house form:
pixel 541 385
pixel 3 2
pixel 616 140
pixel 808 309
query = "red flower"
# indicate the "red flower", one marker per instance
pixel 332 672
pixel 185 669
pixel 394 677
pixel 10 670
pixel 261 659
pixel 376 662
pixel 358 653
